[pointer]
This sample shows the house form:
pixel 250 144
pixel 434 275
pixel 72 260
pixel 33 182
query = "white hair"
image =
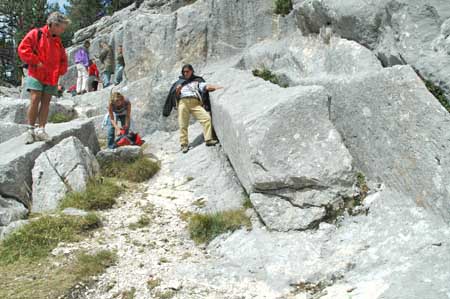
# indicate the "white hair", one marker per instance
pixel 57 18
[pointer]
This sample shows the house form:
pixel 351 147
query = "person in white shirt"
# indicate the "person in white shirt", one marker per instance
pixel 189 93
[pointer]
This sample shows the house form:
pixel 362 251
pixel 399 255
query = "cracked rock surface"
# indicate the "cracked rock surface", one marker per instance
pixel 66 167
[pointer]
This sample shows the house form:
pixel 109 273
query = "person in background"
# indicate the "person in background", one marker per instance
pixel 93 76
pixel 119 109
pixel 43 51
pixel 107 60
pixel 82 64
pixel 120 65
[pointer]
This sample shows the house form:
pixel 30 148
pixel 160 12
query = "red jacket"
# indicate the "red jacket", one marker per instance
pixel 49 51
pixel 93 70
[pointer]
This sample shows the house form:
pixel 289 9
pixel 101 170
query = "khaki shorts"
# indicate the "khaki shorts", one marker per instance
pixel 34 84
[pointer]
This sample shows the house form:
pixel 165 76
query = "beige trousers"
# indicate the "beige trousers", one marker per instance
pixel 186 107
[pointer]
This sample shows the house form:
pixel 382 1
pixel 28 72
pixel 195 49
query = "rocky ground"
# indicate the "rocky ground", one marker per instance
pixel 370 255
pixel 147 253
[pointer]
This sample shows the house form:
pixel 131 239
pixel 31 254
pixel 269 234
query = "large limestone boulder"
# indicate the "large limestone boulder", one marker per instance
pixel 296 58
pixel 283 147
pixel 18 159
pixel 397 133
pixel 66 167
pixel 400 32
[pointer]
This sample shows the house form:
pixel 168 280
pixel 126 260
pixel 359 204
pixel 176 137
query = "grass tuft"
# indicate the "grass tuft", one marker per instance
pixel 140 170
pixel 93 264
pixel 53 277
pixel 267 75
pixel 361 183
pixel 203 228
pixel 438 93
pixel 58 117
pixel 247 203
pixel 100 194
pixel 142 222
pixel 283 7
pixel 36 239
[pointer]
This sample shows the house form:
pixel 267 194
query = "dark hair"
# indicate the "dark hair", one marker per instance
pixel 187 66
pixel 91 61
pixel 86 43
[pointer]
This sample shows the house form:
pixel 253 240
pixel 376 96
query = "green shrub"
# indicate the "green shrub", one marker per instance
pixel 438 94
pixel 140 170
pixel 59 118
pixel 283 7
pixel 100 194
pixel 203 228
pixel 267 75
pixel 36 239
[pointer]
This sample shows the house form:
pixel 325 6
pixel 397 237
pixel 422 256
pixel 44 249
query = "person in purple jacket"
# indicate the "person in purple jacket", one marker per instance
pixel 82 63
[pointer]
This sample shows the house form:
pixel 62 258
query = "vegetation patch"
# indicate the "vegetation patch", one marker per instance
pixel 36 239
pixel 140 170
pixel 283 7
pixel 247 203
pixel 267 75
pixel 100 194
pixel 128 294
pixel 438 94
pixel 51 278
pixel 203 228
pixel 362 186
pixel 59 117
pixel 153 283
pixel 93 264
pixel 143 221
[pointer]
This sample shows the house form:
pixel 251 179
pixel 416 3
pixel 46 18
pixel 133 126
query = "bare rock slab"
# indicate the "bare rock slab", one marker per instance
pixel 66 167
pixel 17 159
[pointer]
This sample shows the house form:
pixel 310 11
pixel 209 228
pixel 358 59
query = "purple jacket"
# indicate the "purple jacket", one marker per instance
pixel 82 56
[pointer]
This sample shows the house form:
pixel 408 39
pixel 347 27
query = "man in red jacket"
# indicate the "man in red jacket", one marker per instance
pixel 46 57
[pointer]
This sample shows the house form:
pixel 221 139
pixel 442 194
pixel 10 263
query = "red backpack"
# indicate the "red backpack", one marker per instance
pixel 128 138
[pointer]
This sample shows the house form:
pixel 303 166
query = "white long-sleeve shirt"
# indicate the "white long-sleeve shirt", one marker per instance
pixel 191 90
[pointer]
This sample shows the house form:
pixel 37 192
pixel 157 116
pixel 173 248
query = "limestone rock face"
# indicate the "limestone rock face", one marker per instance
pixel 400 32
pixel 282 143
pixel 66 167
pixel 396 134
pixel 18 159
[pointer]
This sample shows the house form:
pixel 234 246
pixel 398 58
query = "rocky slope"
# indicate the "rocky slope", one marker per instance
pixel 300 152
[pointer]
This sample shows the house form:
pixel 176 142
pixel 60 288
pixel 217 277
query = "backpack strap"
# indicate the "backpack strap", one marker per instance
pixel 39 36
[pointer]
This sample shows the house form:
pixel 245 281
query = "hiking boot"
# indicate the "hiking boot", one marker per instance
pixel 211 142
pixel 184 149
pixel 41 135
pixel 31 137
